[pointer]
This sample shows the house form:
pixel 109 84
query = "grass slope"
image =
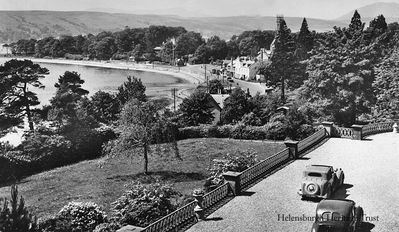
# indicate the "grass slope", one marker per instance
pixel 47 192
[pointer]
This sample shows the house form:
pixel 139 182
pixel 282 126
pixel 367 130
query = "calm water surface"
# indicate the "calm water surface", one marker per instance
pixel 106 79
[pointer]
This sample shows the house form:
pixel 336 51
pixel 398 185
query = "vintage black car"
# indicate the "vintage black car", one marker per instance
pixel 320 181
pixel 337 216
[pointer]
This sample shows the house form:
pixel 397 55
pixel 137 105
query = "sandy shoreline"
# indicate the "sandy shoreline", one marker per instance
pixel 182 73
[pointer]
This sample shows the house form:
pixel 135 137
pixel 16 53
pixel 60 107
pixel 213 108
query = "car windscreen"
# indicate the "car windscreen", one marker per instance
pixel 315 174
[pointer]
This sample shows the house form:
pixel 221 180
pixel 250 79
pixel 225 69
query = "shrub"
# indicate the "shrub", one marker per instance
pixel 17 217
pixel 46 151
pixel 43 150
pixel 141 204
pixel 74 217
pixel 304 131
pixel 107 227
pixel 237 162
pixel 276 130
pixel 13 165
pixel 251 119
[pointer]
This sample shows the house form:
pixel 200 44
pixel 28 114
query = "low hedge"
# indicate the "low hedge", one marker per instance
pixel 273 131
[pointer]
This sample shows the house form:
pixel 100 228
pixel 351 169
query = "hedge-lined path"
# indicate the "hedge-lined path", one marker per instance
pixel 371 180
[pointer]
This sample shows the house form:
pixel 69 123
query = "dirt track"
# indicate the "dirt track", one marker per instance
pixel 371 180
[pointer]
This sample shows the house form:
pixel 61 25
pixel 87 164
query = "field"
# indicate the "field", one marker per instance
pixel 47 192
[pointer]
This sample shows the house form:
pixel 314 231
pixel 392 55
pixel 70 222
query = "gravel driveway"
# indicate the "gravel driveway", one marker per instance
pixel 371 180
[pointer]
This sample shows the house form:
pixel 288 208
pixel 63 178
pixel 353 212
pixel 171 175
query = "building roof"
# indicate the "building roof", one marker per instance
pixel 219 99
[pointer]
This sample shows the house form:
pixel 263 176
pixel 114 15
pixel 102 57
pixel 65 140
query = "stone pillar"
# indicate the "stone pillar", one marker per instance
pixel 199 209
pixel 234 179
pixel 357 132
pixel 293 148
pixel 329 126
pixel 395 128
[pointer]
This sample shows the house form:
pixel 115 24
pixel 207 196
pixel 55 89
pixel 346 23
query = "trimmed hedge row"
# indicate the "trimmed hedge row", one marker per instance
pixel 272 131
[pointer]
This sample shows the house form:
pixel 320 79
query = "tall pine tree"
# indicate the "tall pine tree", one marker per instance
pixel 304 41
pixel 284 68
pixel 19 76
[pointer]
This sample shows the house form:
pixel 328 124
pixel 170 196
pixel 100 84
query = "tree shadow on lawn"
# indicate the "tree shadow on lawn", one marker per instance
pixel 151 177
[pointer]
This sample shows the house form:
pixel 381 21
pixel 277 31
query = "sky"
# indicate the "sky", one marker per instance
pixel 324 9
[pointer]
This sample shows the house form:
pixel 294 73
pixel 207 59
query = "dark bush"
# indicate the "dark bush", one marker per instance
pixel 276 130
pixel 39 152
pixel 14 216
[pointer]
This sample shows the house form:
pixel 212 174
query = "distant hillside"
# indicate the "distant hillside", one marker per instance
pixel 15 25
pixel 390 10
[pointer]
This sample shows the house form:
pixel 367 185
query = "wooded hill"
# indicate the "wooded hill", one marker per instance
pixel 15 25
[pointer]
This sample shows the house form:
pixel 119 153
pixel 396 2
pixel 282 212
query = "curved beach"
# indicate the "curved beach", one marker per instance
pixel 187 73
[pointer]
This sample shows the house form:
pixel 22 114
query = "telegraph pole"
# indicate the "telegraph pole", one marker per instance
pixel 206 78
pixel 174 98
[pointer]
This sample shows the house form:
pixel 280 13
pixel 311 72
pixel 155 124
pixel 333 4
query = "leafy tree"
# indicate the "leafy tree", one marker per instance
pixel 304 41
pixel 187 43
pixel 235 106
pixel 137 52
pixel 386 87
pixel 264 106
pixel 248 47
pixel 132 88
pixel 215 86
pixel 105 106
pixel 262 39
pixel 18 76
pixel 232 48
pixel 201 55
pixel 105 48
pixel 196 109
pixel 166 53
pixel 67 44
pixel 141 125
pixel 341 76
pixel 217 47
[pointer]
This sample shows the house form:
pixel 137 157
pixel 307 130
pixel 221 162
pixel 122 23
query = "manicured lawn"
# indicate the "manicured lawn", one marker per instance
pixel 47 192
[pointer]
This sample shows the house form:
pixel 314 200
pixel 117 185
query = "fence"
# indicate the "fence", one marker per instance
pixel 180 217
pixel 376 128
pixel 173 220
pixel 310 141
pixel 358 131
pixel 186 214
pixel 343 132
pixel 253 173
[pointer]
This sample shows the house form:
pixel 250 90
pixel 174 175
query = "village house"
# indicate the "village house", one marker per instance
pixel 217 106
